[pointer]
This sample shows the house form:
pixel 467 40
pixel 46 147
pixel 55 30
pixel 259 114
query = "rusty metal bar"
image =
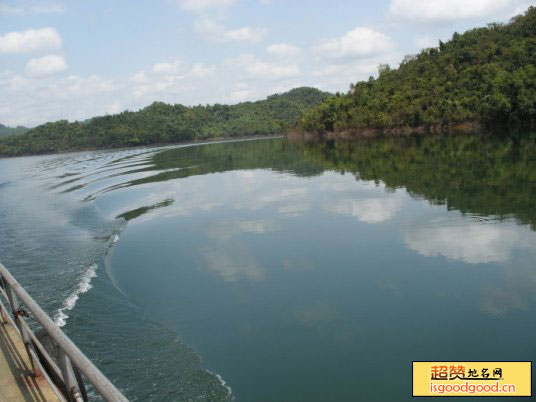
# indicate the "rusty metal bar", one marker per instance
pixel 7 316
pixel 55 389
pixel 29 347
pixel 4 315
pixel 42 350
pixel 69 377
pixel 11 298
pixel 11 321
pixel 69 353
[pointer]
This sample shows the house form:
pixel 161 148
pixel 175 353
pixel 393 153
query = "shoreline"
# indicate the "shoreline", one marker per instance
pixel 154 145
pixel 469 127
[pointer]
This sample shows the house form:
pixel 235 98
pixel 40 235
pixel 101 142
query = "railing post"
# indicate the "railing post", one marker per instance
pixel 69 378
pixel 36 366
pixel 3 313
pixel 17 315
pixel 69 356
pixel 11 298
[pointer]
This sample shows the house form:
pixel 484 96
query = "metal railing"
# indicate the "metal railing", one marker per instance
pixel 62 373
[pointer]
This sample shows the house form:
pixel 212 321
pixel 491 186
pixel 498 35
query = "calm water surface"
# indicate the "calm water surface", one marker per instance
pixel 267 270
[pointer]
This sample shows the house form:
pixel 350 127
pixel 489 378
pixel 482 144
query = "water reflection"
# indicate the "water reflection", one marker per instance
pixel 484 175
pixel 370 207
pixel 231 261
pixel 517 290
pixel 468 241
pixel 259 226
pixel 293 268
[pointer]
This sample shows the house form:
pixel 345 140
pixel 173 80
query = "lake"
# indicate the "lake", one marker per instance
pixel 277 270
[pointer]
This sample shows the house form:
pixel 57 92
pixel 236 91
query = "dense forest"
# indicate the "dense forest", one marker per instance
pixel 5 130
pixel 485 77
pixel 161 123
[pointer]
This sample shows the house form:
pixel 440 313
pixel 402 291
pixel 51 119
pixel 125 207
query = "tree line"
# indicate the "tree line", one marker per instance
pixel 485 76
pixel 161 123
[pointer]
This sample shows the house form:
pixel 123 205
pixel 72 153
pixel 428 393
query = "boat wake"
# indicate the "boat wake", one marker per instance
pixel 84 283
pixel 83 286
pixel 84 236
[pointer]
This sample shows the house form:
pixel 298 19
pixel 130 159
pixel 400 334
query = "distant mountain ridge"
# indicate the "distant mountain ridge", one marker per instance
pixel 484 77
pixel 160 123
pixel 5 130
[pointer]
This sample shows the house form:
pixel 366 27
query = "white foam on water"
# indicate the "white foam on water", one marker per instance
pixel 222 382
pixel 83 286
pixel 115 239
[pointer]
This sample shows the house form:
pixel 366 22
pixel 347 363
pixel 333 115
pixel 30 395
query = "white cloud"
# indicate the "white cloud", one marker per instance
pixel 32 40
pixel 336 75
pixel 283 50
pixel 202 5
pixel 55 97
pixel 115 108
pixel 93 85
pixel 46 65
pixel 213 31
pixel 453 10
pixel 139 78
pixel 238 95
pixel 426 41
pixel 26 7
pixel 245 34
pixel 168 68
pixel 339 76
pixel 360 42
pixel 201 84
pixel 201 70
pixel 166 79
pixel 172 81
pixel 256 68
pixel 206 24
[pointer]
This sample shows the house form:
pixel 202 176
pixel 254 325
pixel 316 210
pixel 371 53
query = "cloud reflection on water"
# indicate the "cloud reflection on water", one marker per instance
pixel 268 201
pixel 468 241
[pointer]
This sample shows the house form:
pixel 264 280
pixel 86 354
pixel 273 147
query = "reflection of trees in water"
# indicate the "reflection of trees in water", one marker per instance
pixel 274 154
pixel 476 174
pixel 473 174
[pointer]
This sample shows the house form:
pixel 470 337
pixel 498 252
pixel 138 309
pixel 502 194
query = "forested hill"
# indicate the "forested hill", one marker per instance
pixel 5 130
pixel 161 123
pixel 485 76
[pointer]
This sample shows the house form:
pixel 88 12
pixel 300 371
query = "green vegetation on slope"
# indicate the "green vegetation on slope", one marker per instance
pixel 486 75
pixel 5 130
pixel 161 123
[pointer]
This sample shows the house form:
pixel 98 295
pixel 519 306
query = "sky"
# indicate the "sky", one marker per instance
pixel 66 59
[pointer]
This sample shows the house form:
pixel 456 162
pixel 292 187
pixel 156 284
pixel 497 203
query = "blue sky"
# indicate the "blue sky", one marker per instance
pixel 77 59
